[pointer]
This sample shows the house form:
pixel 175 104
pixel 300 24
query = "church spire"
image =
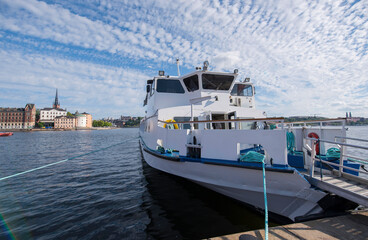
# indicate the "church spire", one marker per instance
pixel 56 102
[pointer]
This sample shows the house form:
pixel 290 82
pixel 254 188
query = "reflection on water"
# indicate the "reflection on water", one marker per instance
pixel 191 211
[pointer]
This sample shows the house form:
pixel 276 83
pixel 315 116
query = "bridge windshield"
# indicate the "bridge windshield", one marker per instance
pixel 217 82
pixel 191 83
pixel 169 86
pixel 242 90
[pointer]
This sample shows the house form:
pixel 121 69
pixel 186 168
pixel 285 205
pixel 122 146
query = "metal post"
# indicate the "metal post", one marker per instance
pixel 177 65
pixel 191 117
pixel 341 159
pixel 320 157
pixel 313 154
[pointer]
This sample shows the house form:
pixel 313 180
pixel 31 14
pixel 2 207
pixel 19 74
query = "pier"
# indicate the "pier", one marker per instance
pixel 351 226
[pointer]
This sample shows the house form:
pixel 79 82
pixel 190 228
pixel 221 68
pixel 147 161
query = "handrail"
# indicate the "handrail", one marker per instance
pixel 342 155
pixel 154 115
pixel 337 165
pixel 340 143
pixel 227 120
pixel 316 121
pixel 356 159
pixel 357 139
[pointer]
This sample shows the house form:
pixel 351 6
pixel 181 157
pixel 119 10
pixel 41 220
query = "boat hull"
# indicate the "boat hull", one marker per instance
pixel 6 134
pixel 288 193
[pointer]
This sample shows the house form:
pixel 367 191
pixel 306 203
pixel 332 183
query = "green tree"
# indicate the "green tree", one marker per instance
pixel 70 114
pixel 107 124
pixel 37 115
pixel 40 124
pixel 100 123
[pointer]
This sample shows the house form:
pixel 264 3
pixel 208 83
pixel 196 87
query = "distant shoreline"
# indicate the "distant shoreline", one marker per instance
pixel 56 130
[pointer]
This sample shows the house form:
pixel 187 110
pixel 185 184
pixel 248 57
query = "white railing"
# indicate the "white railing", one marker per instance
pixel 341 146
pixel 207 124
pixel 316 122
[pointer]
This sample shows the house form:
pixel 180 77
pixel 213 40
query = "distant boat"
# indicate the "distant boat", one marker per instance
pixel 6 134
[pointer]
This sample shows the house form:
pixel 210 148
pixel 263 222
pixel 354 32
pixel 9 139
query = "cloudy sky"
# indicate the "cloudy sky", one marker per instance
pixel 305 57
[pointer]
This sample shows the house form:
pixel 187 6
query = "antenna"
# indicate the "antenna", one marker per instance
pixel 177 65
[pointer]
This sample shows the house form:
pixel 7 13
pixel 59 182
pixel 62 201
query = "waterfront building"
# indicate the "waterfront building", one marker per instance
pixel 81 120
pixel 125 118
pixel 88 119
pixel 47 115
pixel 18 118
pixel 65 122
pixel 119 123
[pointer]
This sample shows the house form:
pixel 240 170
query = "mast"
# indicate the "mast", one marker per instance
pixel 177 65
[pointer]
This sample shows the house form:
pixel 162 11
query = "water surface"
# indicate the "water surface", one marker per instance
pixel 110 194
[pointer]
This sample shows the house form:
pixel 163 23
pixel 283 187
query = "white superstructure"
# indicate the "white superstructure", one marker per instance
pixel 210 121
pixel 49 114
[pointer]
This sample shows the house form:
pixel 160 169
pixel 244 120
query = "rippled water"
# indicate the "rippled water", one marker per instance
pixel 110 194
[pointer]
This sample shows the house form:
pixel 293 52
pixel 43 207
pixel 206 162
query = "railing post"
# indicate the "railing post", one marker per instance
pixel 341 163
pixel 320 157
pixel 191 117
pixel 313 154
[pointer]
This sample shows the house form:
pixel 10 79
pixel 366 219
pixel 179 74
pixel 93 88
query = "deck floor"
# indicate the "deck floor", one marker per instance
pixel 352 226
pixel 346 188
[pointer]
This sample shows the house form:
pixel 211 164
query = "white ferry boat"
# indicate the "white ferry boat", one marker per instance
pixel 201 125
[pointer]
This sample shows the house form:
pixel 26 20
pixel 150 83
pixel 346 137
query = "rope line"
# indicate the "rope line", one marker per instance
pixel 265 200
pixel 253 156
pixel 290 140
pixel 71 158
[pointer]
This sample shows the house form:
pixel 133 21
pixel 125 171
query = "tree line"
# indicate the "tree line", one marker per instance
pixel 100 123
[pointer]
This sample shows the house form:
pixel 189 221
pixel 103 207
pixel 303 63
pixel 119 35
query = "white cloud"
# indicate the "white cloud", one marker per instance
pixel 305 56
pixel 82 86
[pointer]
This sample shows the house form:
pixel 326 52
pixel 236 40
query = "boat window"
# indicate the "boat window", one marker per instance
pixel 242 90
pixel 186 119
pixel 153 87
pixel 217 82
pixel 248 125
pixel 191 83
pixel 169 86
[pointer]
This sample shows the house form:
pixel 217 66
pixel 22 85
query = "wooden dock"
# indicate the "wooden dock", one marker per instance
pixel 352 226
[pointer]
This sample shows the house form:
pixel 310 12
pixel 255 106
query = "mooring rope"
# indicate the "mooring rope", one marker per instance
pixel 253 156
pixel 51 164
pixel 265 199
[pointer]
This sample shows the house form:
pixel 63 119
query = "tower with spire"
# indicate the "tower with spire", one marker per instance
pixel 56 102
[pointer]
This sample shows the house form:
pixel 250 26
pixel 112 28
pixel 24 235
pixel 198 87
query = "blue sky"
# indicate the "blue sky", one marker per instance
pixel 305 57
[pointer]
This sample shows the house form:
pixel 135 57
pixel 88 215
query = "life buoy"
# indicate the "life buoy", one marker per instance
pixel 315 135
pixel 169 126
